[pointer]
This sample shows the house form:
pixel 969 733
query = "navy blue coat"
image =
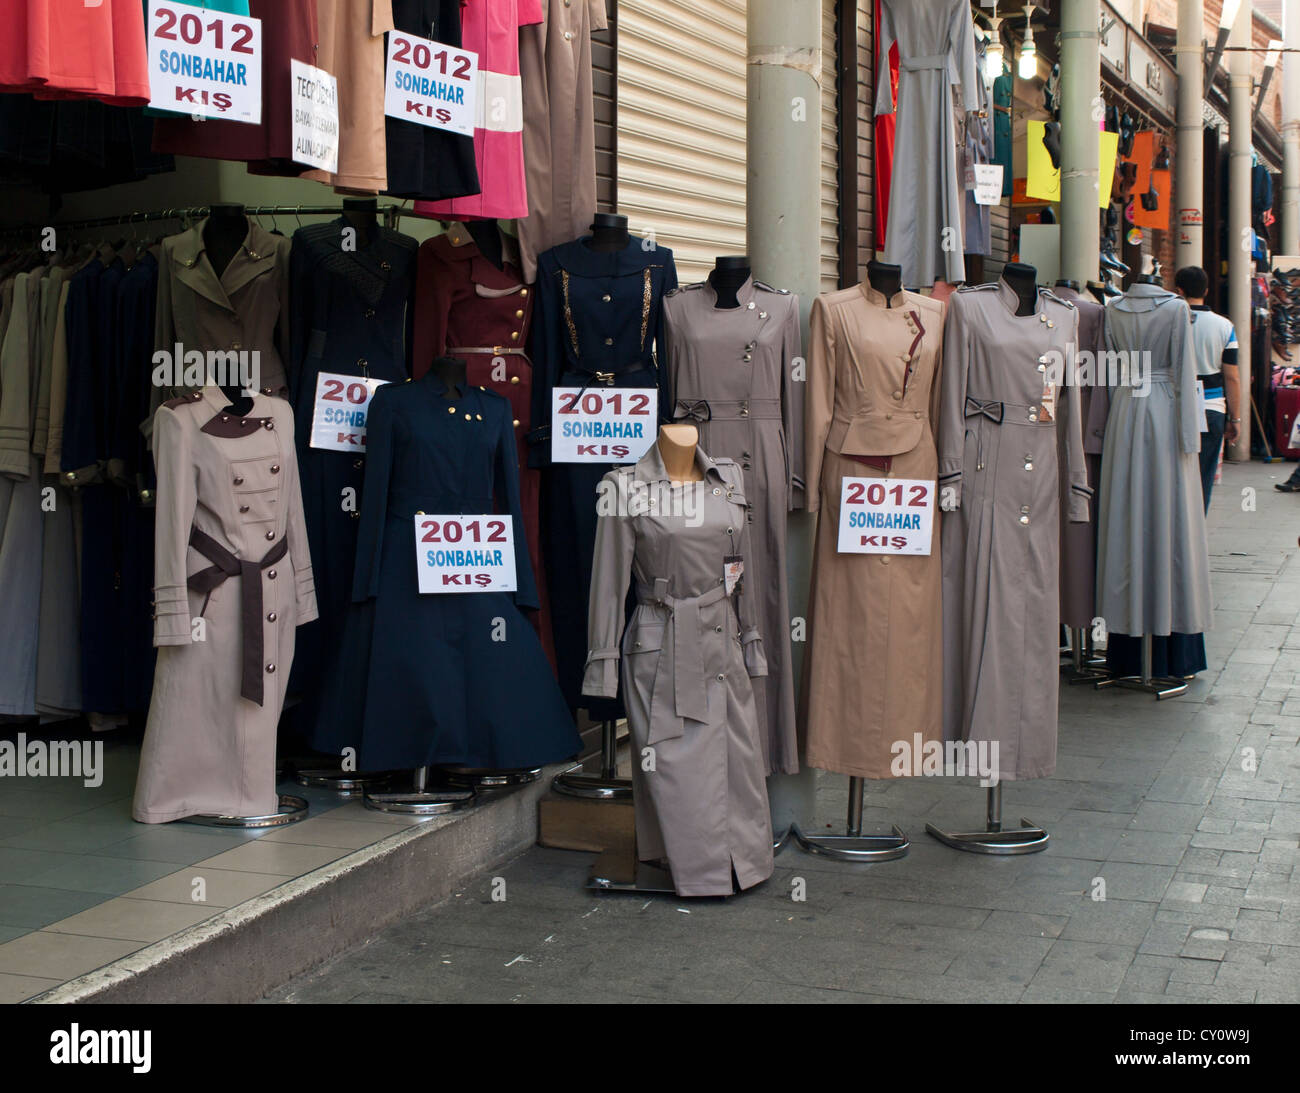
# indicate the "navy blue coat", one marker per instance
pixel 455 679
pixel 595 313
pixel 350 313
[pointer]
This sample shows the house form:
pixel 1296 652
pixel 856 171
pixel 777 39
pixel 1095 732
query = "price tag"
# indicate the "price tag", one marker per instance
pixel 465 553
pixel 338 420
pixel 1202 420
pixel 431 84
pixel 886 516
pixel 204 63
pixel 602 425
pixel 315 117
pixel 987 184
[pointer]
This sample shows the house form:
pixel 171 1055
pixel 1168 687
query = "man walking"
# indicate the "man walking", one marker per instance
pixel 1214 343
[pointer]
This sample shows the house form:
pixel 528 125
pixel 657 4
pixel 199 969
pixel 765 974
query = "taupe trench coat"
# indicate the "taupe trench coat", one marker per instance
pixel 732 374
pixel 1001 546
pixel 208 748
pixel 559 126
pixel 246 309
pixel 874 663
pixel 687 658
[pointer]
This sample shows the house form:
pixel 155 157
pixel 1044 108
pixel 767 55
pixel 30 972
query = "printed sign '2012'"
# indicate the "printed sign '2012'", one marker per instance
pixel 886 516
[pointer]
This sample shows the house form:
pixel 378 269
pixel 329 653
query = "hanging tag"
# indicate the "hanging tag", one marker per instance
pixel 1048 412
pixel 733 568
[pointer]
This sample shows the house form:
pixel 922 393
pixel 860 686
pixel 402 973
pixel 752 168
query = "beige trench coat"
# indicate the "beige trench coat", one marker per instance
pixel 874 665
pixel 245 310
pixel 208 748
pixel 351 47
pixel 687 658
pixel 559 126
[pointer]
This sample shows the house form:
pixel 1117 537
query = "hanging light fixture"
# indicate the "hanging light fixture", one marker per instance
pixel 1028 65
pixel 993 52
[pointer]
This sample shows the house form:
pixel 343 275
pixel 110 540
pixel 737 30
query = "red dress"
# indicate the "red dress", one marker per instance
pixel 467 308
pixel 490 28
pixel 57 49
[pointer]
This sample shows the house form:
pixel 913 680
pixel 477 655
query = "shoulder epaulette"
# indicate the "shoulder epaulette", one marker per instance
pixel 988 286
pixel 183 400
pixel 684 288
pixel 1049 294
pixel 768 288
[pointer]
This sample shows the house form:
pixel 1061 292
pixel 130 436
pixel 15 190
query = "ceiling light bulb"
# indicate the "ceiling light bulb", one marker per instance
pixel 1028 59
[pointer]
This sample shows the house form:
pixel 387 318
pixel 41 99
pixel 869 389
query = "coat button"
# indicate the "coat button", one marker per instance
pixel 746 358
pixel 356 515
pixel 270 535
pixel 717 629
pixel 516 423
pixel 1024 508
pixel 898 394
pixel 606 298
pixel 609 341
pixel 721 677
pixel 1024 519
pixel 750 305
pixel 519 314
pixel 467 417
pixel 243 508
pixel 270 574
pixel 1033 415
pixel 716 492
pixel 1042 368
pixel 362 362
pixel 514 379
pixel 905 358
pixel 451 409
pixel 357 464
pixel 884 559
pixel 731 531
pixel 568 35
pixel 1029 466
pixel 270 669
pixel 523 292
pixel 269 423
pixel 762 314
pixel 275 468
pixel 889 416
pixel 385 266
pixel 238 481
pixel 370 313
pixel 271 617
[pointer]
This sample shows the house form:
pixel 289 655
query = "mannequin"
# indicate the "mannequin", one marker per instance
pixel 1023 279
pixel 885 278
pixel 223 234
pixel 729 273
pixel 362 213
pixel 1066 282
pixel 451 370
pixel 608 233
pixel 677 445
pixel 487 237
pixel 1098 290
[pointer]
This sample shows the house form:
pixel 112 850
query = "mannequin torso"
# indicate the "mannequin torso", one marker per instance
pixel 885 278
pixel 451 370
pixel 677 445
pixel 608 233
pixel 1023 279
pixel 729 274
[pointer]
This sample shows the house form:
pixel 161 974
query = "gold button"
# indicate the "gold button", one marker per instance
pixel 1050 324
pixel 362 362
pixel 606 298
pixel 519 314
pixel 467 417
pixel 889 416
pixel 609 341
pixel 420 512
pixel 478 417
pixel 451 409
pixel 523 292
pixel 906 357
pixel 514 379
pixel 514 335
pixel 516 423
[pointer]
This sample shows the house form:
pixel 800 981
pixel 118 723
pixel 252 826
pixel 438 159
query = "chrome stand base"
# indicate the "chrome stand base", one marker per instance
pixel 428 803
pixel 1161 688
pixel 1028 838
pixel 859 848
pixel 344 783
pixel 591 787
pixel 292 809
pixel 779 841
pixel 489 779
pixel 649 878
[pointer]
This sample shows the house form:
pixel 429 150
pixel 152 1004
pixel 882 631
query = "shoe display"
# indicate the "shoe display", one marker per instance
pixel 1052 142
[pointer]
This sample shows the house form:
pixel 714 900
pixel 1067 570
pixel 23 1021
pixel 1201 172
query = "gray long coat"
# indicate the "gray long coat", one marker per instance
pixel 731 373
pixel 1153 560
pixel 936 49
pixel 206 748
pixel 998 464
pixel 687 658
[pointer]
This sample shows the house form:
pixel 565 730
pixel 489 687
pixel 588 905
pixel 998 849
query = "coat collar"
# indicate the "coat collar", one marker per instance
pixel 481 272
pixel 232 426
pixel 898 300
pixel 744 295
pixel 579 259
pixel 1143 298
pixel 1011 299
pixel 254 257
pixel 650 467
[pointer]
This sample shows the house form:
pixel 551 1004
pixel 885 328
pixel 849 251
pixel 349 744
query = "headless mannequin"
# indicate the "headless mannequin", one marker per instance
pixel 677 445
pixel 1146 279
pixel 1098 290
pixel 487 237
pixel 362 213
pixel 223 236
pixel 451 370
pixel 608 233
pixel 729 274
pixel 1023 280
pixel 885 278
pixel 1066 282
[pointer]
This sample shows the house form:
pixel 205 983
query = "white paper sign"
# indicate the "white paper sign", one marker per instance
pixel 988 183
pixel 886 516
pixel 315 117
pixel 1294 440
pixel 338 420
pixel 602 425
pixel 1204 424
pixel 465 553
pixel 430 83
pixel 204 63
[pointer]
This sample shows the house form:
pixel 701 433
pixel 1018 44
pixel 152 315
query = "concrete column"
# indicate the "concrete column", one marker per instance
pixel 784 241
pixel 1290 225
pixel 1189 155
pixel 1081 109
pixel 1240 266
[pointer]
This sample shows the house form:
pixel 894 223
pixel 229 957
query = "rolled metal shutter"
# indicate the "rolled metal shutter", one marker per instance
pixel 830 144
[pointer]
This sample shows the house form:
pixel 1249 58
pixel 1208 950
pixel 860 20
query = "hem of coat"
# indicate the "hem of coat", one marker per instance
pixel 747 878
pixel 834 766
pixel 361 184
pixel 153 816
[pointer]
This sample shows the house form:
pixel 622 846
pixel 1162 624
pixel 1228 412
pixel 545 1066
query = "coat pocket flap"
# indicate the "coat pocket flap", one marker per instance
pixel 876 434
pixel 643 639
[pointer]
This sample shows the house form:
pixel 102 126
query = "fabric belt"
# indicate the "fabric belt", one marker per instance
pixel 1006 413
pixel 923 64
pixel 226 565
pixel 684 640
pixel 492 350
pixel 755 409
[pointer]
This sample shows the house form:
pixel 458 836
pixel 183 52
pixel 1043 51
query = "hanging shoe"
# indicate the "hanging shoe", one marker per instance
pixel 1127 130
pixel 1052 142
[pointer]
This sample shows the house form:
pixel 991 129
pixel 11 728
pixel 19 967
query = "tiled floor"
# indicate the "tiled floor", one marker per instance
pixel 1186 810
pixel 82 884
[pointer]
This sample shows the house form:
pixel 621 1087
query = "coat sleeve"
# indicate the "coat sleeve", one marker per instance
pixel 15 390
pixel 661 344
pixel 952 403
pixel 374 496
pixel 433 290
pixel 1183 358
pixel 794 381
pixel 1075 464
pixel 296 529
pixel 178 491
pixel 300 314
pixel 936 381
pixel 548 352
pixel 884 87
pixel 819 405
pixel 506 477
pixel 59 388
pixel 164 335
pixel 599 20
pixel 284 323
pixel 530 12
pixel 751 637
pixel 611 572
pixel 962 56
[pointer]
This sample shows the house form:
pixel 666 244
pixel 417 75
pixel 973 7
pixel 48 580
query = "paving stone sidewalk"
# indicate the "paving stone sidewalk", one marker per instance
pixel 1196 847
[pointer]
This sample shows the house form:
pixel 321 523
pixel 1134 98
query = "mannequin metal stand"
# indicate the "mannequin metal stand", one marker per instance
pixel 479 778
pixel 1083 665
pixel 344 783
pixel 422 801
pixel 291 810
pixel 887 279
pixel 605 786
pixel 1148 684
pixel 1028 838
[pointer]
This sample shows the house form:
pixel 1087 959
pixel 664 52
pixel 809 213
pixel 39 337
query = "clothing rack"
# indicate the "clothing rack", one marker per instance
pixel 391 214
